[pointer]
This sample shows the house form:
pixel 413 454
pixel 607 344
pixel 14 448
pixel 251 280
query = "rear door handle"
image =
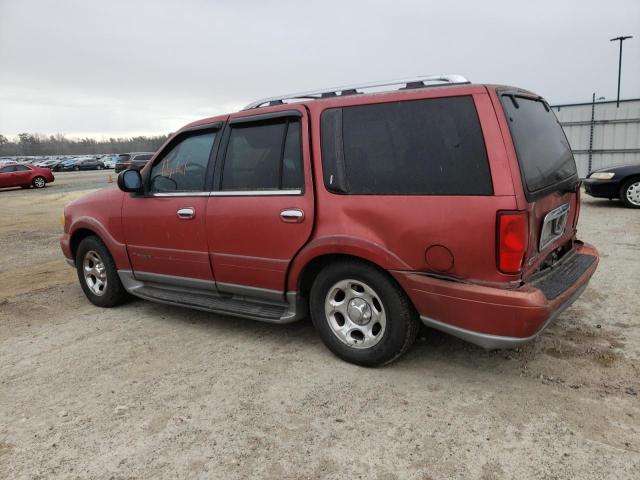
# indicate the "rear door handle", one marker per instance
pixel 186 213
pixel 292 215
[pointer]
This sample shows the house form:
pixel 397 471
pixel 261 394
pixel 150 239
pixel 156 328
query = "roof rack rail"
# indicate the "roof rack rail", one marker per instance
pixel 415 82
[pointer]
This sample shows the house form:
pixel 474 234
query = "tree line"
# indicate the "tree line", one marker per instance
pixel 30 144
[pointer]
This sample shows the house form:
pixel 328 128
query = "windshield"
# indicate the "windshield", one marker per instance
pixel 543 151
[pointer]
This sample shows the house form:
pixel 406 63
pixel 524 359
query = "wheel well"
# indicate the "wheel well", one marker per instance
pixel 78 236
pixel 633 176
pixel 311 269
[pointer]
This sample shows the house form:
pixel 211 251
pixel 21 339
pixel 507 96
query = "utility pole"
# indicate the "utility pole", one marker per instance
pixel 620 39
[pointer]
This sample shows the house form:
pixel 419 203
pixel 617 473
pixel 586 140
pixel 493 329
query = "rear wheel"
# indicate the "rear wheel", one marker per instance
pixel 630 193
pixel 39 182
pixel 98 274
pixel 361 314
pixel 99 167
pixel 76 168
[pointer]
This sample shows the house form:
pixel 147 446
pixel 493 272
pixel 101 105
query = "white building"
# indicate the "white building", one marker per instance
pixel 612 137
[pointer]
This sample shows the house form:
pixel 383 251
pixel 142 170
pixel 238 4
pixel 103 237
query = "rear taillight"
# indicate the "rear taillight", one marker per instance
pixel 511 241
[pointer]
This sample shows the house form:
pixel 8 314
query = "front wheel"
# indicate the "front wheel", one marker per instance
pixel 99 167
pixel 39 182
pixel 361 314
pixel 630 193
pixel 98 274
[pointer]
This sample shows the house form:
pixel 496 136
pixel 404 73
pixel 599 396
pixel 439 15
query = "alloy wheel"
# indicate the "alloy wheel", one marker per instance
pixel 355 313
pixel 95 273
pixel 633 193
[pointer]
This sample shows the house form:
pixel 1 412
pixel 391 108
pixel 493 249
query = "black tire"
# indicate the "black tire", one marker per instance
pixel 99 167
pixel 39 182
pixel 114 292
pixel 77 169
pixel 402 324
pixel 628 184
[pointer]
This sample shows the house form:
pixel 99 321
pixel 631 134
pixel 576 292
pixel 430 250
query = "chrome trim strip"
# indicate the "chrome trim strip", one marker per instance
pixel 184 282
pixel 247 291
pixel 229 193
pixel 253 193
pixel 180 194
pixel 492 342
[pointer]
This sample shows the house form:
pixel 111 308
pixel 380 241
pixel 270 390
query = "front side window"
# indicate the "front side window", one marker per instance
pixel 264 156
pixel 416 147
pixel 8 169
pixel 183 167
pixel 143 157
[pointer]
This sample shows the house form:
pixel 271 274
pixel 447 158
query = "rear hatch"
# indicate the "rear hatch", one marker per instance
pixel 549 177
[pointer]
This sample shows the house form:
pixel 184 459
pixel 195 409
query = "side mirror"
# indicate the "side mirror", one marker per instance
pixel 130 181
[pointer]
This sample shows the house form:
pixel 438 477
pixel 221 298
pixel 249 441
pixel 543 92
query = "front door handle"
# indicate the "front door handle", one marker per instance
pixel 292 215
pixel 186 213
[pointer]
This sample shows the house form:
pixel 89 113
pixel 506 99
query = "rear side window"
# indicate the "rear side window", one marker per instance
pixel 543 151
pixel 418 147
pixel 142 157
pixel 264 156
pixel 22 168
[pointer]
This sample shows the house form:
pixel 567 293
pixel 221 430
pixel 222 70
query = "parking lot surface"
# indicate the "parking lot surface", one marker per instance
pixel 147 390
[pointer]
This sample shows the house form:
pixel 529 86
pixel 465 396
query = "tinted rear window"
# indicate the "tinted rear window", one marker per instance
pixel 543 151
pixel 418 147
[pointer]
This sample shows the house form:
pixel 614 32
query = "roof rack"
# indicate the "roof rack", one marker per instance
pixel 415 82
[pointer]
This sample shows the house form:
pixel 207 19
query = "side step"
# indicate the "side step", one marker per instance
pixel 209 301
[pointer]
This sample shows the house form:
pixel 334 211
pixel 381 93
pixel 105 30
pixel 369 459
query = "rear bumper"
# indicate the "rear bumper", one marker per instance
pixel 494 317
pixel 601 188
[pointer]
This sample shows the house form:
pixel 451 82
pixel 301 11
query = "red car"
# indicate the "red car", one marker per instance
pixel 25 176
pixel 454 205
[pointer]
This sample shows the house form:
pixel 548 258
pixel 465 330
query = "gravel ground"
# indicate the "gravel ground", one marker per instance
pixel 150 391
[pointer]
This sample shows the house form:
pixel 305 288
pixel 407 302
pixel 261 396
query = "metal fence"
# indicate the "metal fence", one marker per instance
pixel 600 134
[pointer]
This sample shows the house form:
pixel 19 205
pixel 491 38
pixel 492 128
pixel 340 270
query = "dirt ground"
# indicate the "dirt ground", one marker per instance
pixel 150 391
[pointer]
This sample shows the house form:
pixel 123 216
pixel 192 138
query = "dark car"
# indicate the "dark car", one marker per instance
pixel 135 160
pixel 25 176
pixel 62 163
pixel 621 182
pixel 88 163
pixel 370 212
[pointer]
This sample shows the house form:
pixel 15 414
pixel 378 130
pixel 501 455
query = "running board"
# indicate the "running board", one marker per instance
pixel 209 300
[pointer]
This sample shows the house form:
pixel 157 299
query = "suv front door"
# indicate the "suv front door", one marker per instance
pixel 164 228
pixel 262 207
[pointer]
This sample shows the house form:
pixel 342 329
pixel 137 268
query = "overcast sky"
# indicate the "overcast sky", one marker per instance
pixel 117 67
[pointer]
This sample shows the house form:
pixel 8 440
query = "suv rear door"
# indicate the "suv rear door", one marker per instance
pixel 545 168
pixel 261 211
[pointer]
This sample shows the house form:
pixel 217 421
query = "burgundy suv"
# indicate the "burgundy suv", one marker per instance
pixel 442 202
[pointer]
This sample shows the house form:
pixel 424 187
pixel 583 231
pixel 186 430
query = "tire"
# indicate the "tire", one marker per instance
pixel 77 169
pixel 39 182
pixel 99 167
pixel 93 254
pixel 630 192
pixel 361 314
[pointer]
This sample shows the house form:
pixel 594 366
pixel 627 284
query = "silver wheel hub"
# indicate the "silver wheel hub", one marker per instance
pixel 39 182
pixel 95 273
pixel 355 313
pixel 633 193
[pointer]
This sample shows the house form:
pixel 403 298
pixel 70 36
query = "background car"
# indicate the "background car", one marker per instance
pixel 621 182
pixel 109 161
pixel 85 163
pixel 63 163
pixel 24 176
pixel 47 163
pixel 135 160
